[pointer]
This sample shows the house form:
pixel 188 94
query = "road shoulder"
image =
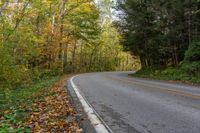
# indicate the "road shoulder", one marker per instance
pixel 81 115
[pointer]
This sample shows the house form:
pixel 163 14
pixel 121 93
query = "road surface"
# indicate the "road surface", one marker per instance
pixel 132 105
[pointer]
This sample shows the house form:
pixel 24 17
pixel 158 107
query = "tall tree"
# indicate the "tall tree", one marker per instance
pixel 159 32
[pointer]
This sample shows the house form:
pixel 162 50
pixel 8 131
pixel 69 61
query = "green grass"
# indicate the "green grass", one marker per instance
pixel 15 104
pixel 170 74
pixel 188 70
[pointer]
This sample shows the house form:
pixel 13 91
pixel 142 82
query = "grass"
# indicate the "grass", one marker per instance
pixel 15 104
pixel 169 74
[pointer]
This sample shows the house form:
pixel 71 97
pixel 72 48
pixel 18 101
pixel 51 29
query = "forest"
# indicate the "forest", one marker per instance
pixel 57 36
pixel 42 40
pixel 165 35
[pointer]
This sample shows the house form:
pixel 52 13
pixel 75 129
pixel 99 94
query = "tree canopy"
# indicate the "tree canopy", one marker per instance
pixel 159 32
pixel 56 35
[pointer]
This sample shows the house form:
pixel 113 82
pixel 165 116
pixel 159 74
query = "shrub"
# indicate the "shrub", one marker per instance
pixel 11 75
pixel 193 53
pixel 192 68
pixel 191 62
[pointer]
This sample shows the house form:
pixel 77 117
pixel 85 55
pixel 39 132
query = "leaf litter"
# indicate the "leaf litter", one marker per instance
pixel 53 112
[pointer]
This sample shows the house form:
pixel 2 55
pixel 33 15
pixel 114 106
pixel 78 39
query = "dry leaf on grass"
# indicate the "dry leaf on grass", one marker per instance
pixel 52 112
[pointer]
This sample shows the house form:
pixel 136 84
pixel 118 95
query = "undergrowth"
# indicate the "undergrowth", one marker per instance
pixel 15 104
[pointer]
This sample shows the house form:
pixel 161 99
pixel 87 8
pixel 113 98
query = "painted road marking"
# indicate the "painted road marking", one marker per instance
pixel 160 88
pixel 99 125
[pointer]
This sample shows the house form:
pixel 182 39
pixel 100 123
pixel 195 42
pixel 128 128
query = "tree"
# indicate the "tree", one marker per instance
pixel 56 36
pixel 159 32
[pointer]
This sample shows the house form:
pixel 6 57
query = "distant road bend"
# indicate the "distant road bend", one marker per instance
pixel 132 105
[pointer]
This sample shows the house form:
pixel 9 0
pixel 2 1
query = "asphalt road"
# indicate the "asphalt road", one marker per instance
pixel 132 105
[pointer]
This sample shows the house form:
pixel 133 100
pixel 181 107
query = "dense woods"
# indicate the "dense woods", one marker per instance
pixel 41 40
pixel 163 34
pixel 56 36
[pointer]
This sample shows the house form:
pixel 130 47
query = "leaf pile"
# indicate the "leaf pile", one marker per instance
pixel 50 113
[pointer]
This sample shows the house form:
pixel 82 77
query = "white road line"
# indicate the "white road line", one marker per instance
pixel 98 123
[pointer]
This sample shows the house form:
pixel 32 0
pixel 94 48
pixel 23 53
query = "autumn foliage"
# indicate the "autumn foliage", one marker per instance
pixel 56 35
pixel 51 112
pixel 39 41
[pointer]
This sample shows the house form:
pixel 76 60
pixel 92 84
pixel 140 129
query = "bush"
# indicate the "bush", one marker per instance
pixel 192 68
pixel 189 70
pixel 11 75
pixel 193 53
pixel 40 74
pixel 191 62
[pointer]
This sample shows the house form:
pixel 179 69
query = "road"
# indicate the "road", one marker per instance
pixel 132 105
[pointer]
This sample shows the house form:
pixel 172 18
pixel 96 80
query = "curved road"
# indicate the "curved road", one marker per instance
pixel 131 105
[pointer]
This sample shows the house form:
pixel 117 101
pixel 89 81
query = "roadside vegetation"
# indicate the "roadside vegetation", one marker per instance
pixel 57 36
pixel 39 107
pixel 188 71
pixel 165 36
pixel 40 40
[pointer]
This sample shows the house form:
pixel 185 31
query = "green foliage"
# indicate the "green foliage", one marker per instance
pixel 14 115
pixel 191 63
pixel 6 128
pixel 23 93
pixel 159 32
pixel 45 38
pixel 162 33
pixel 39 40
pixel 10 74
pixel 193 53
pixel 171 74
pixel 188 71
pixel 192 68
pixel 6 68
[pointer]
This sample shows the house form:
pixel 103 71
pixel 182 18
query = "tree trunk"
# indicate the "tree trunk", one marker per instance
pixel 73 57
pixel 65 59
